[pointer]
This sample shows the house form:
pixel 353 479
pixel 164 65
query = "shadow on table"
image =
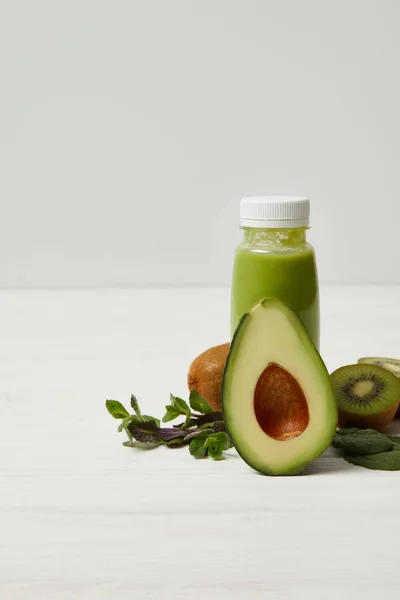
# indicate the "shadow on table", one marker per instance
pixel 327 464
pixel 142 446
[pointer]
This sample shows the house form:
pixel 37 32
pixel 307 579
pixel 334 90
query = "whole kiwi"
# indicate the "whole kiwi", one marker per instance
pixel 206 371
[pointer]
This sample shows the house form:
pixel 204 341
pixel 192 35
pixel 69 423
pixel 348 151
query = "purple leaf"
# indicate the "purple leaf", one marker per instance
pixel 210 418
pixel 149 432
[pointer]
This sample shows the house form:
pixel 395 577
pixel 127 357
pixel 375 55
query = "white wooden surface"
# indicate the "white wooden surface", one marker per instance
pixel 83 517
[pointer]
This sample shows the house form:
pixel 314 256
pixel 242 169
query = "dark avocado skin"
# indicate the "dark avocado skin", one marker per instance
pixel 235 336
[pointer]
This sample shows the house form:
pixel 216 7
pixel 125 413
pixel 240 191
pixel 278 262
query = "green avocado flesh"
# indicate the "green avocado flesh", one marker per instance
pixel 390 364
pixel 277 397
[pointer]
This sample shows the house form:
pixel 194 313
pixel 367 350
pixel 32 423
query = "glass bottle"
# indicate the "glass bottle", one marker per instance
pixel 275 259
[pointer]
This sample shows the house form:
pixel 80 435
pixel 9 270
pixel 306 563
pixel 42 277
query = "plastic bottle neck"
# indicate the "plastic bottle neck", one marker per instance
pixel 290 238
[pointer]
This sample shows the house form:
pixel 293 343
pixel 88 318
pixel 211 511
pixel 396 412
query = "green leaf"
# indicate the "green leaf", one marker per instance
pixel 171 414
pixel 196 448
pixel 141 419
pixel 218 439
pixel 347 431
pixel 148 432
pixel 362 441
pixel 188 421
pixel 218 426
pixel 383 461
pixel 227 443
pixel 145 432
pixel 128 433
pixel 198 403
pixel 195 430
pixel 196 433
pixel 116 409
pixel 149 418
pixel 124 425
pixel 396 441
pixel 179 404
pixel 135 405
pixel 127 421
pixel 197 445
pixel 178 441
pixel 186 424
pixel 209 418
pixel 215 451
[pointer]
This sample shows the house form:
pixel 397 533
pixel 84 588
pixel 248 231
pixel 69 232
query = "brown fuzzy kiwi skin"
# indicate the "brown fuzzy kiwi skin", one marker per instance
pixel 206 372
pixel 378 421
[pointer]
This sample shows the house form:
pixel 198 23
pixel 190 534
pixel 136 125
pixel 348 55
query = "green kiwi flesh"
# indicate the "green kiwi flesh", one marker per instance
pixel 365 389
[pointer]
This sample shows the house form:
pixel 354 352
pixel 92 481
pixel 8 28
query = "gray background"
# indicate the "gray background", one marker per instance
pixel 130 130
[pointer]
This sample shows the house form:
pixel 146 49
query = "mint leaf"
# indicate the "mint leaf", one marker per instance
pixel 214 451
pixel 145 432
pixel 216 443
pixel 220 439
pixel 134 418
pixel 196 446
pixel 188 421
pixel 218 426
pixel 198 403
pixel 362 441
pixel 149 432
pixel 116 409
pixel 187 424
pixel 383 461
pixel 123 426
pixel 125 422
pixel 149 418
pixel 195 430
pixel 171 414
pixel 209 418
pixel 196 433
pixel 179 404
pixel 168 434
pixel 135 405
pixel 207 443
pixel 175 441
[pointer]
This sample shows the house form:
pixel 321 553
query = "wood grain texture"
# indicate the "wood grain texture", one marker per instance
pixel 83 517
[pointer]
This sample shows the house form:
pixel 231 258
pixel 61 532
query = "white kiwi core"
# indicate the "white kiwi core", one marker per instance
pixel 363 388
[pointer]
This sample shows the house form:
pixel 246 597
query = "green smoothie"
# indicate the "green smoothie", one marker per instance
pixel 280 263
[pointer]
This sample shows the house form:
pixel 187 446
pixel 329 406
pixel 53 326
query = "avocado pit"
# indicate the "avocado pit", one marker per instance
pixel 280 405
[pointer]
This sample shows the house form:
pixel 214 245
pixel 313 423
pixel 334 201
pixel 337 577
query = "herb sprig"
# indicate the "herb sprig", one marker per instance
pixel 202 429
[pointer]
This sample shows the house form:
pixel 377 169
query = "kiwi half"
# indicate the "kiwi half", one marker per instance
pixel 366 395
pixel 390 364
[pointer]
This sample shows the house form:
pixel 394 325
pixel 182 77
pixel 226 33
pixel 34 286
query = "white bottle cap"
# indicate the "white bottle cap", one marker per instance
pixel 274 212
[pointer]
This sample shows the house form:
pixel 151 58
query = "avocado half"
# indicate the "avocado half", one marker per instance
pixel 277 398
